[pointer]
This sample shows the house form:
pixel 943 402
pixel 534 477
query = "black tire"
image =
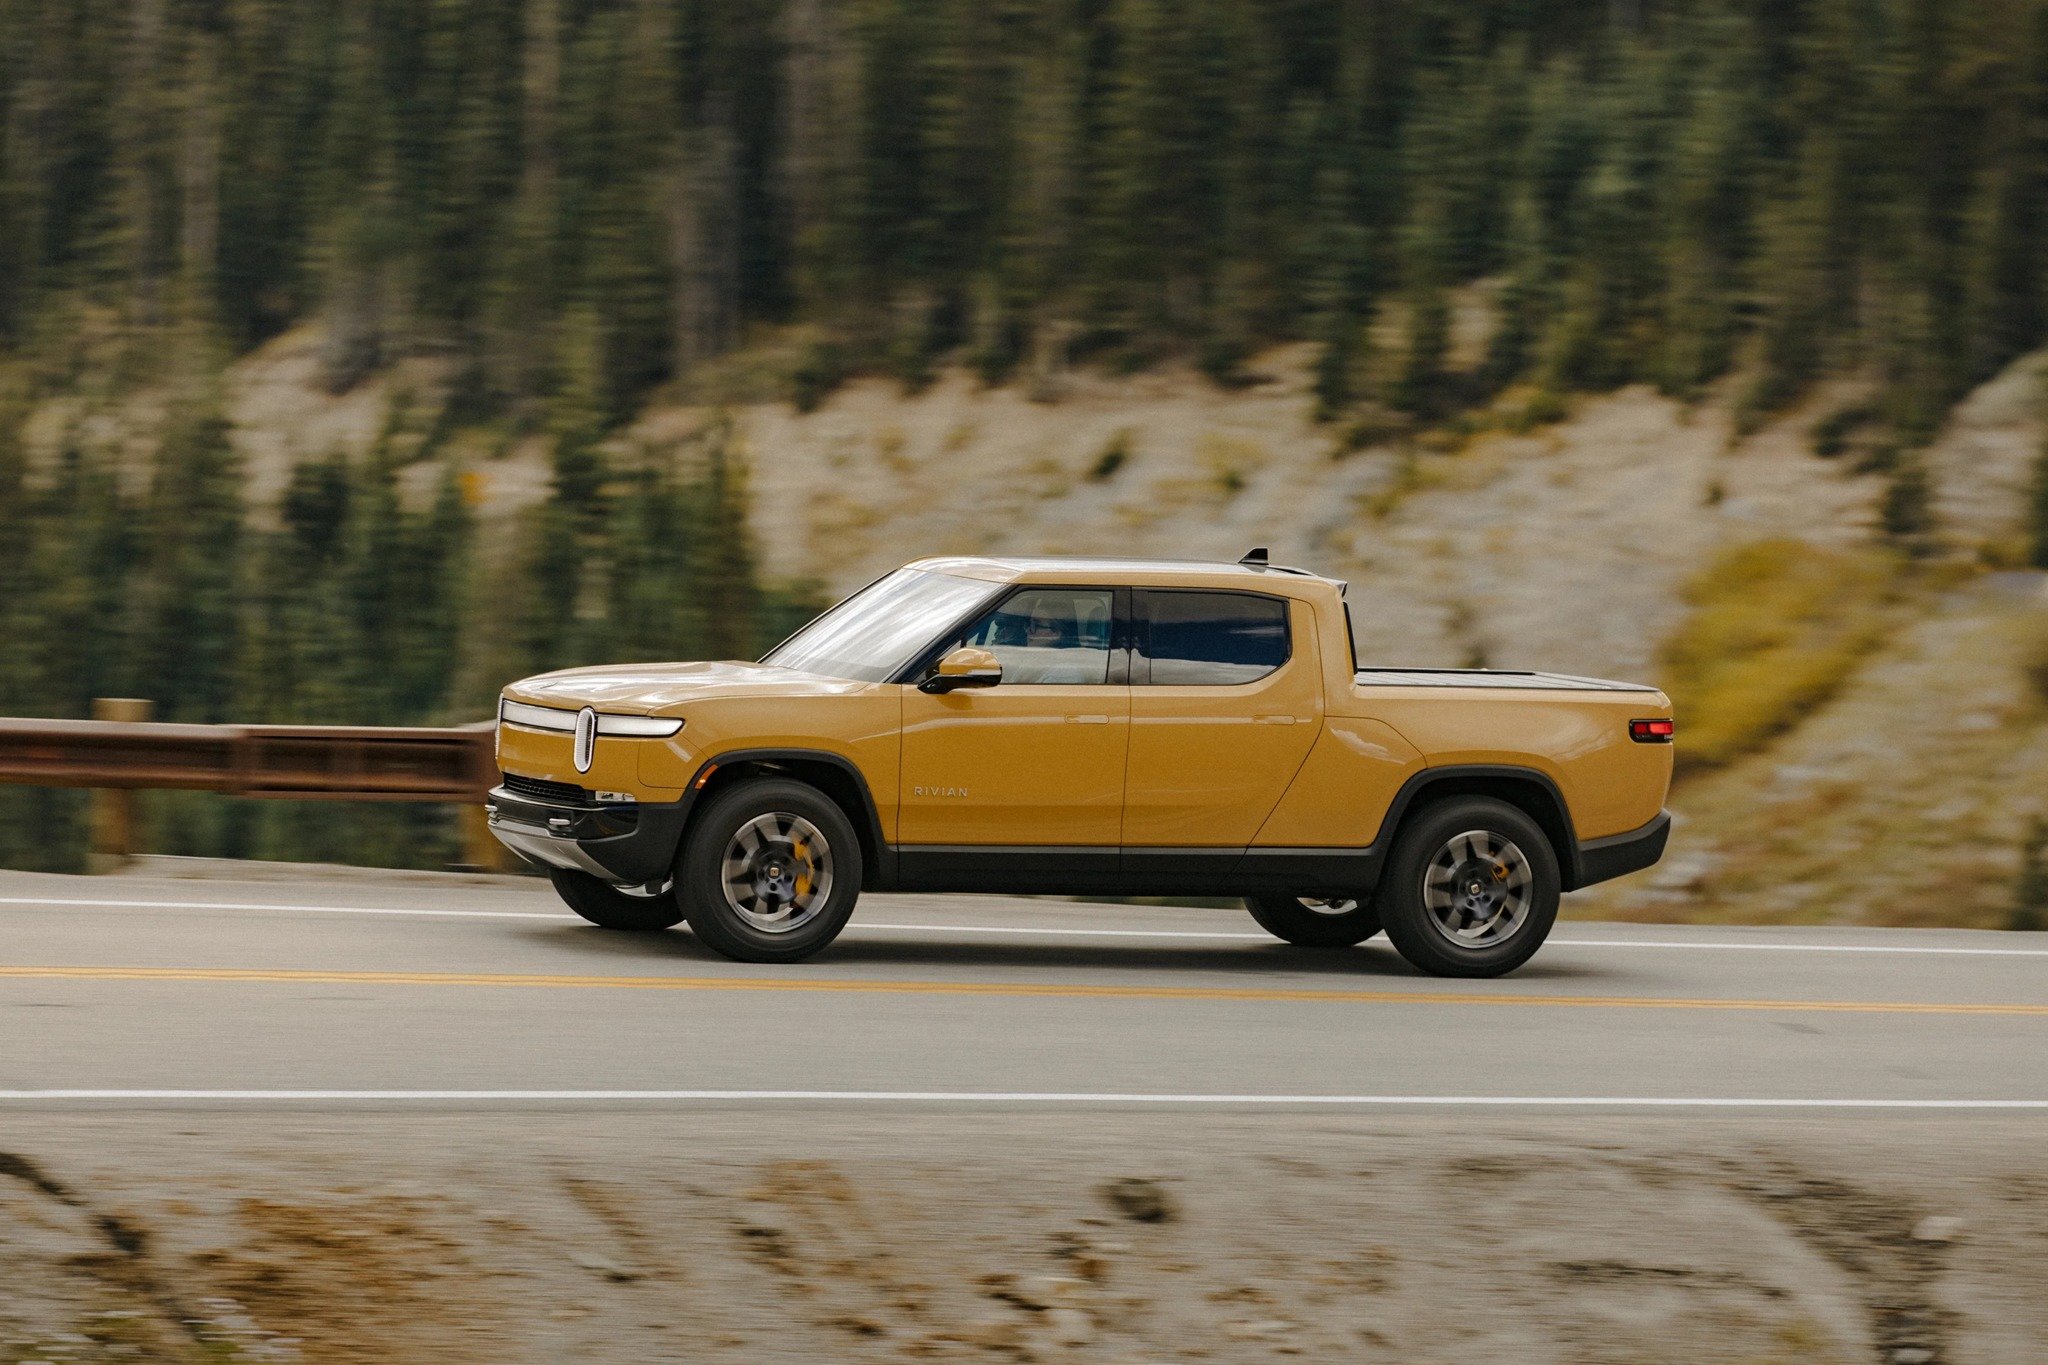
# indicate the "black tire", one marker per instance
pixel 1438 919
pixel 610 908
pixel 803 826
pixel 1285 917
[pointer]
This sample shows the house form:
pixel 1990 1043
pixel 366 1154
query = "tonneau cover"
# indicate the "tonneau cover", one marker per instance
pixel 1489 677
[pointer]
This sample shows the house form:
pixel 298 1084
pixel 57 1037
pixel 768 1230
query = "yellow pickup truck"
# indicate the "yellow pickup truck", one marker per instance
pixel 1076 727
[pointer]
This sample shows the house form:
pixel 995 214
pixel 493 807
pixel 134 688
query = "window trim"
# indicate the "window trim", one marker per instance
pixel 1141 663
pixel 921 666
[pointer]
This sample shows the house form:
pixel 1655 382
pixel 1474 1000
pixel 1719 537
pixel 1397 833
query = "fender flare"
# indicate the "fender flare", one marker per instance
pixel 869 815
pixel 1556 822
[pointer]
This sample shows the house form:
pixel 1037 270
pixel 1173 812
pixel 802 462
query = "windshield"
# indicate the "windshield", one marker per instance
pixel 883 626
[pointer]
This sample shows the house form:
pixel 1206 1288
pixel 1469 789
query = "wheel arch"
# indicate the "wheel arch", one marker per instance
pixel 1532 792
pixel 835 775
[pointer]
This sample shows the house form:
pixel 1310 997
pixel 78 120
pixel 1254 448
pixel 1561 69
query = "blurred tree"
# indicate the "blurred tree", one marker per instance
pixel 2030 888
pixel 1654 192
pixel 1906 513
pixel 2037 511
pixel 188 590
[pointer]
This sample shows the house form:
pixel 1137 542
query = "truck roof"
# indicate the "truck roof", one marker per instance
pixel 1111 569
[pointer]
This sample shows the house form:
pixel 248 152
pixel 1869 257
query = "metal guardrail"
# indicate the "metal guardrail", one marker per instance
pixel 122 753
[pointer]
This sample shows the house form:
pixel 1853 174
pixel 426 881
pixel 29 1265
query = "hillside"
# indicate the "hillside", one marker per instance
pixel 1893 791
pixel 1613 338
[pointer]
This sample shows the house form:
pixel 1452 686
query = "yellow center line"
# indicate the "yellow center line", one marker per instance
pixel 830 985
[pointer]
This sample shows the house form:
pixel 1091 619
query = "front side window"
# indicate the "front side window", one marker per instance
pixel 882 627
pixel 1049 636
pixel 1212 639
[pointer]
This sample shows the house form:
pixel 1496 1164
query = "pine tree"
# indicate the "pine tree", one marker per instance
pixel 2037 511
pixel 2030 889
pixel 1906 514
pixel 722 558
pixel 190 587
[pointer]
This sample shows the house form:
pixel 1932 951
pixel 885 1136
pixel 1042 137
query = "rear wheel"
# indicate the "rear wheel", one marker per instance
pixel 770 871
pixel 1471 888
pixel 610 907
pixel 1315 922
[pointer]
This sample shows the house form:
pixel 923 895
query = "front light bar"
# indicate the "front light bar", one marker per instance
pixel 557 721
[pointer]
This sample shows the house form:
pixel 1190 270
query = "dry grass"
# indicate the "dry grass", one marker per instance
pixel 1774 628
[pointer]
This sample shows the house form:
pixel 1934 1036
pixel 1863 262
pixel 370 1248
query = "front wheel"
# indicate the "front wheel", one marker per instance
pixel 1314 922
pixel 770 871
pixel 608 907
pixel 1471 888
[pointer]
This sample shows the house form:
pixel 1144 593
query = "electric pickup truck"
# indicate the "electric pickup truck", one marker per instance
pixel 1084 727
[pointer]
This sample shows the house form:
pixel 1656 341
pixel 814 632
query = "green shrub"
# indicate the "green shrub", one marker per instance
pixel 2034 660
pixel 820 368
pixel 2037 512
pixel 1774 630
pixel 1114 454
pixel 1830 435
pixel 1907 512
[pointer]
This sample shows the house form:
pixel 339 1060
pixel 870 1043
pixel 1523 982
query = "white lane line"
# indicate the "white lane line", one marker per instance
pixel 1016 1097
pixel 1793 947
pixel 1019 930
pixel 1551 943
pixel 41 904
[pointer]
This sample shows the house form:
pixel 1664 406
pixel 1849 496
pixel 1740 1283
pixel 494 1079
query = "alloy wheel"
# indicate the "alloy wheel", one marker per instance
pixel 1478 889
pixel 777 872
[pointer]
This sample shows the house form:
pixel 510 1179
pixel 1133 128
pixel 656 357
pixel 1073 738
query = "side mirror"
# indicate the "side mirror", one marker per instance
pixel 964 667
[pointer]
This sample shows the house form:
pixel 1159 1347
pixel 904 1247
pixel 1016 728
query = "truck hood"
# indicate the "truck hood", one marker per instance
pixel 654 689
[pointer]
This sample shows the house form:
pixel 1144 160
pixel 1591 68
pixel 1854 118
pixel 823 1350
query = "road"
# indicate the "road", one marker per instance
pixel 357 1117
pixel 441 992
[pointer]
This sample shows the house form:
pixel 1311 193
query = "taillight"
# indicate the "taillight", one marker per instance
pixel 1651 731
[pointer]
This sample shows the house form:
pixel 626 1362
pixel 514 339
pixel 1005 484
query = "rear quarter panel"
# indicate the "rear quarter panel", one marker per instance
pixel 1341 795
pixel 1611 784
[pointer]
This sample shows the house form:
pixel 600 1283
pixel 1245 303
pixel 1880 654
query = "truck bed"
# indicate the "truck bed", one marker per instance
pixel 1488 677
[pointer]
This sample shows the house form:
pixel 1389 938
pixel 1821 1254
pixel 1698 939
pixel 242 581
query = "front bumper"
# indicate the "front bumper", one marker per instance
pixel 631 844
pixel 1602 860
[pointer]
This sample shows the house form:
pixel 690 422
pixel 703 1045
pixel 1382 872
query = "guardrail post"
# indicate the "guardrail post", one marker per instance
pixel 114 822
pixel 481 850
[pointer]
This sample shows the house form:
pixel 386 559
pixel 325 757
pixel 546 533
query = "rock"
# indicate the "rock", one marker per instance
pixel 1937 1228
pixel 1912 1355
pixel 1141 1200
pixel 995 1334
pixel 598 1265
pixel 860 1324
pixel 1687 873
pixel 1069 1326
pixel 1048 1291
pixel 1247 1330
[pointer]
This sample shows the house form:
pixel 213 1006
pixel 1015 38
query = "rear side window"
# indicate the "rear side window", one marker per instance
pixel 1212 639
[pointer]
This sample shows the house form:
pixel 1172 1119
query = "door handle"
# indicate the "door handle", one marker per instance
pixel 1087 720
pixel 1274 720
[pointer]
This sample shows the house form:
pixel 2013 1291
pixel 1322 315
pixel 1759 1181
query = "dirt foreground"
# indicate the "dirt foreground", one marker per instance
pixel 826 1235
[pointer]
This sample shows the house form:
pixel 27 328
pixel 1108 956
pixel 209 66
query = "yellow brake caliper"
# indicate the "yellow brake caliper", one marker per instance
pixel 803 863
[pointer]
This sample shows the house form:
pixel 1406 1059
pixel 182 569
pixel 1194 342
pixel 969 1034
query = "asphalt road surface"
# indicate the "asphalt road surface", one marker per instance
pixel 442 993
